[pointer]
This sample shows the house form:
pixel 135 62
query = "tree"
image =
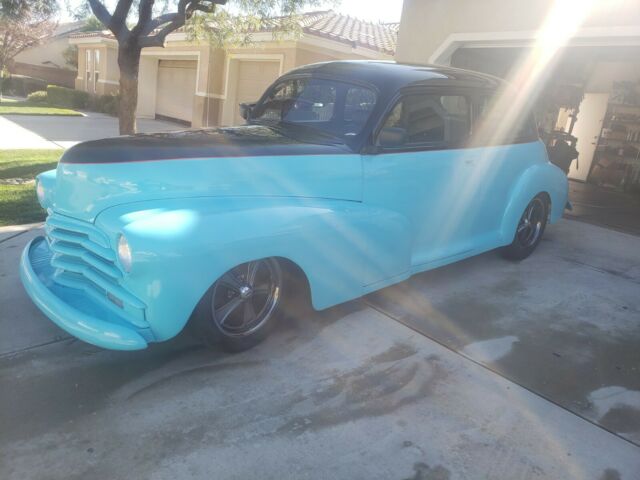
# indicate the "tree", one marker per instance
pixel 24 24
pixel 155 19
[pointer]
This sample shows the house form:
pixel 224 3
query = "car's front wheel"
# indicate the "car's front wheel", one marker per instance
pixel 529 231
pixel 239 309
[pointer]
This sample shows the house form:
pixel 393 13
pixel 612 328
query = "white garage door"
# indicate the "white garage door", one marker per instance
pixel 176 88
pixel 253 80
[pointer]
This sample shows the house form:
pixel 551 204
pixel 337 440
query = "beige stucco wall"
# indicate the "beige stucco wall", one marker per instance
pixel 213 99
pixel 426 24
pixel 47 52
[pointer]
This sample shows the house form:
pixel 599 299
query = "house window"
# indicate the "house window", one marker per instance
pixel 96 75
pixel 87 80
pixel 96 70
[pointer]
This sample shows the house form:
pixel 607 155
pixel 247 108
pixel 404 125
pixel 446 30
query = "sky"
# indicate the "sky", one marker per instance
pixel 370 10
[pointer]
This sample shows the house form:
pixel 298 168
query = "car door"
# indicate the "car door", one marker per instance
pixel 501 139
pixel 414 182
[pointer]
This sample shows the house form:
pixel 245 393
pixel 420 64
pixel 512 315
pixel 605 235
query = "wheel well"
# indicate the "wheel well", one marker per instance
pixel 296 280
pixel 547 198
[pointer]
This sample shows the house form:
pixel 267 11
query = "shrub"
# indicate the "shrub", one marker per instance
pixel 21 85
pixel 67 97
pixel 105 103
pixel 37 97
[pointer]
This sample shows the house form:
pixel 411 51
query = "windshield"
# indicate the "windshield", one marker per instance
pixel 337 108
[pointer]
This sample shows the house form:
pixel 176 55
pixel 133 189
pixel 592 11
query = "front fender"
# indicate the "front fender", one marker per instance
pixel 181 247
pixel 539 178
pixel 48 181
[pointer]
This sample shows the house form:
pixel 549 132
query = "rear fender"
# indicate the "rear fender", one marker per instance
pixel 539 178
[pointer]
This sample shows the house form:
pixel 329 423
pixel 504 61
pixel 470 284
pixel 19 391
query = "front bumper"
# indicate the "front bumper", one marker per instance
pixel 71 309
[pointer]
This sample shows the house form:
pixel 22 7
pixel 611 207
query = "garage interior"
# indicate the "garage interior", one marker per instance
pixel 590 101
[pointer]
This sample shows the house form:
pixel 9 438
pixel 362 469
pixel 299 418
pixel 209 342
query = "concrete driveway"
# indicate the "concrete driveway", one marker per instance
pixel 44 132
pixel 485 369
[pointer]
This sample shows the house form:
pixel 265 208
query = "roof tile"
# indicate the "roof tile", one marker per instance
pixel 381 37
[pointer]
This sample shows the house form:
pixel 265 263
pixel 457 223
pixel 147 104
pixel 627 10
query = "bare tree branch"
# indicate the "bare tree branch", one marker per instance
pixel 101 12
pixel 158 22
pixel 174 21
pixel 22 32
pixel 145 11
pixel 119 17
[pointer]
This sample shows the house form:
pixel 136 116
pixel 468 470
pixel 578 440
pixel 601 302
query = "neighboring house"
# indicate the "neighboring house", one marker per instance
pixel 601 60
pixel 203 86
pixel 46 60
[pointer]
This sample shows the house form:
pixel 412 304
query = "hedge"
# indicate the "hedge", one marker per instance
pixel 105 103
pixel 21 85
pixel 37 97
pixel 67 97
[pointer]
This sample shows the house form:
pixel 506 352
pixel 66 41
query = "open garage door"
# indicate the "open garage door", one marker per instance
pixel 253 79
pixel 176 88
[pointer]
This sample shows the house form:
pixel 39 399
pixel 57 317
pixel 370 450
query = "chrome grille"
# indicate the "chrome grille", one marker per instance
pixel 84 260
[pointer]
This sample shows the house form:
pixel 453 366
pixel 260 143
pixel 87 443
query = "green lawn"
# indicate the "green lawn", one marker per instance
pixel 13 107
pixel 18 202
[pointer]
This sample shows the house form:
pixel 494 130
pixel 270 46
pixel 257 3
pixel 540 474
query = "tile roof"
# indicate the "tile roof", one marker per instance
pixel 343 28
pixel 328 24
pixel 68 28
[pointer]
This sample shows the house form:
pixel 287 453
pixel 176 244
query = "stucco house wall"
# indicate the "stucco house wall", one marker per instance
pixel 431 30
pixel 214 100
pixel 46 60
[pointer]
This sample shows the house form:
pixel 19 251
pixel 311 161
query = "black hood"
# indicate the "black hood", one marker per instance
pixel 244 141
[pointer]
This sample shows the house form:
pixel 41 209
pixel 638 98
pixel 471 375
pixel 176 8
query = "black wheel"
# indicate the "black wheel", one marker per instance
pixel 239 309
pixel 530 229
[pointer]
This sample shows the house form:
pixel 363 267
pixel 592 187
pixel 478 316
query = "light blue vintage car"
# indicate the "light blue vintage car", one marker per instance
pixel 348 177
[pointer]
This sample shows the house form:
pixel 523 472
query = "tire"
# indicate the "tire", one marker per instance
pixel 529 230
pixel 241 307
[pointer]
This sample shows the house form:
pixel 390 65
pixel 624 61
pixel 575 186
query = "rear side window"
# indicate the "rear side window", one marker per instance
pixel 430 120
pixel 495 123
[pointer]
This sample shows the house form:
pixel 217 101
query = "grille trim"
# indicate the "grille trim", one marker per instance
pixel 84 260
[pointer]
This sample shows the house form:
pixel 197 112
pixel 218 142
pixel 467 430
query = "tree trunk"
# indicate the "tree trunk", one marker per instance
pixel 129 63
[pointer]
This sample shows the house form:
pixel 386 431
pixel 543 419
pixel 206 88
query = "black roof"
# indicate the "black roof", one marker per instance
pixel 390 76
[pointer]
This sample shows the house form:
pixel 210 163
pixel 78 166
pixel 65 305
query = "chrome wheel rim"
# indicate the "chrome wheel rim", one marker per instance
pixel 530 225
pixel 245 297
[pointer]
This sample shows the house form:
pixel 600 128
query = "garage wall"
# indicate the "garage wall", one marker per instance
pixel 252 79
pixel 247 77
pixel 426 24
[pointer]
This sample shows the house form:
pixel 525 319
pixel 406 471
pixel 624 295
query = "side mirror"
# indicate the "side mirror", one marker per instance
pixel 390 137
pixel 246 109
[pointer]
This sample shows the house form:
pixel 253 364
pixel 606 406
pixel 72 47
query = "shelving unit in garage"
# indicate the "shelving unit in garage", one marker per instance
pixel 617 161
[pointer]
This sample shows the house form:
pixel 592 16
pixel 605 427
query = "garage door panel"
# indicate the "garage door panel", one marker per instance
pixel 176 88
pixel 253 79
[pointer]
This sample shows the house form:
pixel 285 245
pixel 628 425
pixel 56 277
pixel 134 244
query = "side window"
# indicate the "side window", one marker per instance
pixel 494 123
pixel 429 120
pixel 300 101
pixel 358 104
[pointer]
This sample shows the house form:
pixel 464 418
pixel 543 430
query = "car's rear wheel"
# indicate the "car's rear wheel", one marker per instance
pixel 239 309
pixel 529 231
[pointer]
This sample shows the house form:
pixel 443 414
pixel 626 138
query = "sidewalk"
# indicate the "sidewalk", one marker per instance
pixel 52 132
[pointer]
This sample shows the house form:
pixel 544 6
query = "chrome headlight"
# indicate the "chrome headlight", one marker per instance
pixel 124 253
pixel 40 192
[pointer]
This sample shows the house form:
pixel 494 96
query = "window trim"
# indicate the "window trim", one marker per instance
pixel 374 147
